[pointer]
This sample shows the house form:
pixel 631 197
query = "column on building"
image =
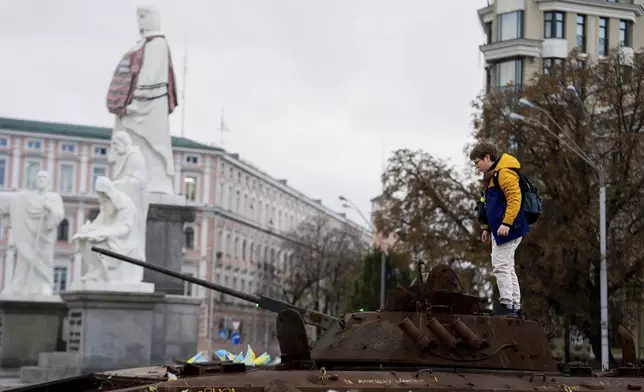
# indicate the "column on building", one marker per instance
pixel 16 162
pixel 84 164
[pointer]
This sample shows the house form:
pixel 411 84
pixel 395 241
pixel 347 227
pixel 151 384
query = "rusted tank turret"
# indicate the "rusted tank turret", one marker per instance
pixel 430 336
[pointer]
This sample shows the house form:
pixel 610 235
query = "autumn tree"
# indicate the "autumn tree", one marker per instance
pixel 365 289
pixel 431 205
pixel 596 109
pixel 322 258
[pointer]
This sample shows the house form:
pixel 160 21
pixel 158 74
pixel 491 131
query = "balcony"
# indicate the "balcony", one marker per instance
pixel 521 47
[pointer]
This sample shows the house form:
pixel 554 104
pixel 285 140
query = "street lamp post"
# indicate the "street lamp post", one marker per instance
pixel 383 255
pixel 603 275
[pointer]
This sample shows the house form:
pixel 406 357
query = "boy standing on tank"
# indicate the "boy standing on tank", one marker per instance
pixel 502 218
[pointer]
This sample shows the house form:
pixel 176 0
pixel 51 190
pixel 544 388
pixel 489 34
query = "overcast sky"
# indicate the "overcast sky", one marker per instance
pixel 312 91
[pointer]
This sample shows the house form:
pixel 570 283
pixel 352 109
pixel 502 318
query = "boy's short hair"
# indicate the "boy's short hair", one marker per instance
pixel 482 149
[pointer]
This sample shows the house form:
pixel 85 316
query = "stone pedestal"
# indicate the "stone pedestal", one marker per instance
pixel 141 287
pixel 176 329
pixel 164 244
pixel 110 330
pixel 28 326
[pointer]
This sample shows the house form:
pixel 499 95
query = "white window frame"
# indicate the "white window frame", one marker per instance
pixel 66 275
pixel 5 158
pixel 91 176
pixel 26 165
pixel 195 241
pixel 73 144
pixel 190 270
pixel 183 186
pixel 95 146
pixel 187 158
pixel 60 176
pixel 41 141
pixel 70 231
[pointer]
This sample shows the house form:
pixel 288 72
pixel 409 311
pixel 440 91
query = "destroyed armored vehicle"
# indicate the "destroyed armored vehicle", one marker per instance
pixel 430 336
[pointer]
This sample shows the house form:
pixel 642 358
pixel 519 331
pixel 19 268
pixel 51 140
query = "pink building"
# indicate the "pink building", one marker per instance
pixel 230 243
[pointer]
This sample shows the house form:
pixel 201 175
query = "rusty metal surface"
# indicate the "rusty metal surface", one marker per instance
pixel 422 379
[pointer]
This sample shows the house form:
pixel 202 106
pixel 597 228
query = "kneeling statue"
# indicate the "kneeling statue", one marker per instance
pixel 114 229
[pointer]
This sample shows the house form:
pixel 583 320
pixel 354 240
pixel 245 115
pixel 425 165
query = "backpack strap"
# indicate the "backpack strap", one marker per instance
pixel 495 176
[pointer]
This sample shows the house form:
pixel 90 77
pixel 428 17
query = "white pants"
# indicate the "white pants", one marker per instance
pixel 503 270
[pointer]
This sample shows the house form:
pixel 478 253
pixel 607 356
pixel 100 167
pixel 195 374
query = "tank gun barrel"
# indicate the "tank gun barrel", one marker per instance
pixel 310 317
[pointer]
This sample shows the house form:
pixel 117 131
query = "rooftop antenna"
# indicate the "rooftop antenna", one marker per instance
pixel 222 128
pixel 183 91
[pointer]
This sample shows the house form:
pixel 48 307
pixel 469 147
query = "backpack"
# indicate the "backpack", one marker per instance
pixel 531 203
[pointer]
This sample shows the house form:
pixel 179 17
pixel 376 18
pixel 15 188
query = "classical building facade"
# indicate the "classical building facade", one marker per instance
pixel 243 217
pixel 528 36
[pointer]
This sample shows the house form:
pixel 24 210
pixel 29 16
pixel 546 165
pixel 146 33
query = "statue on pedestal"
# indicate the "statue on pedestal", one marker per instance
pixel 130 177
pixel 115 229
pixel 34 219
pixel 142 95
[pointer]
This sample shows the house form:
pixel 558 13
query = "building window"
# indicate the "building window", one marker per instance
pixel 581 32
pixel 602 47
pixel 488 32
pixel 189 240
pixel 68 147
pixel 243 250
pixel 33 167
pixel 553 24
pixel 63 231
pixel 60 279
pixel 188 287
pixel 236 248
pixel 3 172
pixel 549 63
pixel 100 151
pixel 625 33
pixel 190 188
pixel 4 142
pixel 35 145
pixel 97 171
pixel 66 178
pixel 230 198
pixel 509 73
pixel 192 159
pixel 510 26
pixel 238 202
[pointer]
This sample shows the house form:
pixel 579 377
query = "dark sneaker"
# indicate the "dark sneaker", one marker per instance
pixel 506 312
pixel 519 313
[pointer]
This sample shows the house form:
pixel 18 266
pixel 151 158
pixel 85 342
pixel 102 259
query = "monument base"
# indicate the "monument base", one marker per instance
pixel 29 325
pixel 164 244
pixel 110 330
pixel 176 329
pixel 141 287
pixel 165 199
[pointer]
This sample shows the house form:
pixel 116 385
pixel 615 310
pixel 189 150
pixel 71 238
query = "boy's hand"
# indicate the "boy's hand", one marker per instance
pixel 485 236
pixel 503 230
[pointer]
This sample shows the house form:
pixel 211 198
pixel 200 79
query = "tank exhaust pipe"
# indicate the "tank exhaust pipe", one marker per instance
pixel 446 338
pixel 422 341
pixel 468 336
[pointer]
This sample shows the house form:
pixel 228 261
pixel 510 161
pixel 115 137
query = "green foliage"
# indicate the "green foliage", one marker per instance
pixel 365 292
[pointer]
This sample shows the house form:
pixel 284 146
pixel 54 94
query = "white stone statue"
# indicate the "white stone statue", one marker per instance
pixel 115 229
pixel 142 95
pixel 130 177
pixel 34 217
